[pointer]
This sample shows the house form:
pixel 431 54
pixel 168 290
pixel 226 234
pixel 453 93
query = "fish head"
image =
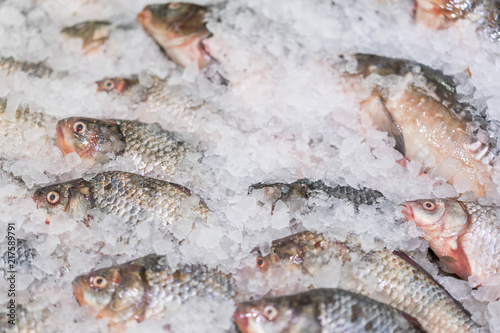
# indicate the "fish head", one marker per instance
pixel 93 33
pixel 182 19
pixel 437 217
pixel 267 193
pixel 117 84
pixel 72 197
pixel 116 293
pixel 91 139
pixel 280 314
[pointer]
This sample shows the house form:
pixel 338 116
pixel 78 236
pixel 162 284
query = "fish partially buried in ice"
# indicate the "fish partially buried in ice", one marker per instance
pixel 388 277
pixel 306 189
pixel 180 29
pixel 463 234
pixel 439 14
pixel 418 107
pixel 322 310
pixel 143 288
pixel 133 197
pixel 155 152
pixel 92 33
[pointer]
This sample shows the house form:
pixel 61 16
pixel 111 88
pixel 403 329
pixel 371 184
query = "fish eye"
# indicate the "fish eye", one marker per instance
pixel 429 205
pixel 53 197
pixel 109 84
pixel 270 312
pixel 98 282
pixel 174 5
pixel 261 262
pixel 79 127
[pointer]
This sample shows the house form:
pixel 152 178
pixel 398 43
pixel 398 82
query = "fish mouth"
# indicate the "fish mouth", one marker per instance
pixel 63 144
pixel 143 17
pixel 241 319
pixel 408 212
pixel 78 292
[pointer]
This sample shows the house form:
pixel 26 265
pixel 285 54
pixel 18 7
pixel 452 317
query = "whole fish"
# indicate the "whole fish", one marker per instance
pixel 417 106
pixel 143 288
pixel 460 233
pixel 92 33
pixel 179 28
pixel 322 310
pixel 388 277
pixel 439 14
pixel 132 197
pixel 23 128
pixel 155 152
pixel 305 189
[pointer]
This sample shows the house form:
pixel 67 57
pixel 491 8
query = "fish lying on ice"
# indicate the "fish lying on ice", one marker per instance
pixel 322 310
pixel 463 234
pixel 306 189
pixel 155 152
pixel 133 197
pixel 417 106
pixel 39 70
pixel 142 288
pixel 387 277
pixel 180 29
pixel 439 14
pixel 92 33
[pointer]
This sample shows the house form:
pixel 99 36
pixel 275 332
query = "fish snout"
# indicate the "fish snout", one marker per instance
pixel 78 292
pixel 408 212
pixel 240 317
pixel 144 17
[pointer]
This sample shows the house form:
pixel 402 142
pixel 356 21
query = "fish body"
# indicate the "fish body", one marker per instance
pixel 179 28
pixel 321 310
pixel 143 288
pixel 92 33
pixel 132 197
pixel 440 14
pixel 306 189
pixel 39 70
pixel 154 151
pixel 390 278
pixel 419 109
pixel 460 233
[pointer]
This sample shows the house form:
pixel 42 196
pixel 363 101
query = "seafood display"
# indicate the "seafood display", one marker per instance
pixel 390 278
pixel 142 288
pixel 249 166
pixel 320 310
pixel 459 233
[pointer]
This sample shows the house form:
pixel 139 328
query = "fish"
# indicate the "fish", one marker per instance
pixel 21 258
pixel 388 277
pixel 418 107
pixel 93 33
pixel 459 233
pixel 23 127
pixel 39 70
pixel 180 29
pixel 143 288
pixel 117 84
pixel 322 310
pixel 133 197
pixel 305 189
pixel 441 14
pixel 155 152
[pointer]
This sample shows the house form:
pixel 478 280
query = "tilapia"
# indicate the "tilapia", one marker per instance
pixel 22 127
pixel 439 14
pixel 155 152
pixel 180 29
pixel 306 189
pixel 92 33
pixel 460 233
pixel 143 288
pixel 388 277
pixel 322 310
pixel 133 197
pixel 417 106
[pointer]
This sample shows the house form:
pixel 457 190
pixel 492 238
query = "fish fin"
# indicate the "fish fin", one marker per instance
pixel 374 108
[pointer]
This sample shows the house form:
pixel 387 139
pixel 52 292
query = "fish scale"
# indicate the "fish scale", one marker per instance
pixel 387 277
